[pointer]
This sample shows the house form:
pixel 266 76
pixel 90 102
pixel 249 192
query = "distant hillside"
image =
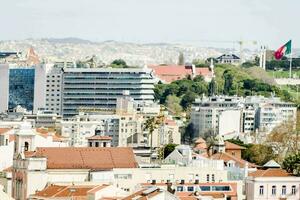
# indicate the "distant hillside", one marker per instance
pixel 72 49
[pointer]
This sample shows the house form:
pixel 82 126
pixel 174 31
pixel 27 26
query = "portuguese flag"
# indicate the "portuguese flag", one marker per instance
pixel 284 50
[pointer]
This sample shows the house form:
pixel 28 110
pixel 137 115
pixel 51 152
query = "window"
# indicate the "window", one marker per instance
pixel 180 188
pixel 274 190
pixel 207 177
pixel 96 144
pixel 26 146
pixel 205 188
pixel 283 190
pixel 190 189
pixel 213 178
pixel 261 190
pixel 293 189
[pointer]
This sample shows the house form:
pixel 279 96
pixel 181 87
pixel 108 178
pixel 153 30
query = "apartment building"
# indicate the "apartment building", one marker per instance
pixel 219 114
pixel 272 183
pixel 231 114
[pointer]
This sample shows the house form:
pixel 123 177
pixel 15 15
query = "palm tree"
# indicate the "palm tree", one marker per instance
pixel 210 139
pixel 151 124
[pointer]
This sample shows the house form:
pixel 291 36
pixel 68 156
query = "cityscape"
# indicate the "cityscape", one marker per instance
pixel 161 109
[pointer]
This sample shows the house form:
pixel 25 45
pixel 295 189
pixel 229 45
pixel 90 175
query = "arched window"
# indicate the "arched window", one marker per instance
pixel 26 146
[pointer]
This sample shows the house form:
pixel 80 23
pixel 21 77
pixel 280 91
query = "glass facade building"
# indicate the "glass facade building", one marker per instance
pixel 21 87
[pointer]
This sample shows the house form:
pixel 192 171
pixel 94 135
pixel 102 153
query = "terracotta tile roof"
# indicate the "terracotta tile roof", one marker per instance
pixel 200 140
pixel 4 130
pixel 99 137
pixel 227 157
pixel 170 73
pixel 170 122
pixel 58 191
pixel 9 169
pixel 231 146
pixel 271 172
pixel 46 133
pixel 191 195
pixel 96 158
pixel 139 195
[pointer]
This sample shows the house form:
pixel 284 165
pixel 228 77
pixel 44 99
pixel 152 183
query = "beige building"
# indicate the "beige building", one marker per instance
pixel 272 184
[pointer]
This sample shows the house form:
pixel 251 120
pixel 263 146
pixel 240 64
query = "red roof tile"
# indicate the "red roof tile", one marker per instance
pixel 232 146
pixel 170 73
pixel 227 157
pixel 271 172
pixel 59 191
pixel 4 130
pixel 96 158
pixel 99 137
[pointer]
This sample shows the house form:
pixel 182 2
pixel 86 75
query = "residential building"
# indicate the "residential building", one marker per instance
pixel 272 183
pixel 231 115
pixel 87 191
pixel 33 170
pixel 151 193
pixel 203 191
pixel 219 114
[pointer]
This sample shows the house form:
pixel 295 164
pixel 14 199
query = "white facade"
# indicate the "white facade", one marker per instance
pixel 91 89
pixel 271 188
pixel 225 114
pixel 53 89
pixel 4 87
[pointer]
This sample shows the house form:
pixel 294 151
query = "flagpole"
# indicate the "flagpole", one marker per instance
pixel 291 58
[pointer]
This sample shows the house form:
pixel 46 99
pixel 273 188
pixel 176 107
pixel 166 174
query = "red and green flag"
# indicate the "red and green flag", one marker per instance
pixel 283 50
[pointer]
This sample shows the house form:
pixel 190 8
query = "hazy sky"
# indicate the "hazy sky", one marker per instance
pixel 271 22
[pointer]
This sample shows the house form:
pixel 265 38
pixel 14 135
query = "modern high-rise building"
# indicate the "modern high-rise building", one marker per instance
pixel 91 89
pixel 19 86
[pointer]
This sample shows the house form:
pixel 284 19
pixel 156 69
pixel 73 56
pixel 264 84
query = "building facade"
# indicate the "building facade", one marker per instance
pixel 91 89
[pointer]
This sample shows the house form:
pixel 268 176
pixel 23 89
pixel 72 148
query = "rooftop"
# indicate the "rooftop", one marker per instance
pixel 60 191
pixel 227 157
pixel 232 146
pixel 170 73
pixel 99 137
pixel 271 172
pixel 86 157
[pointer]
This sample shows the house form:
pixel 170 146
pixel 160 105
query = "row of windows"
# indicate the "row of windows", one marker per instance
pixel 274 188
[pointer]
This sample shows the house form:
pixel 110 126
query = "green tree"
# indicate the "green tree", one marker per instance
pixel 292 164
pixel 187 99
pixel 210 139
pixel 228 84
pixel 151 124
pixel 212 88
pixel 188 134
pixel 259 154
pixel 173 103
pixel 119 63
pixel 181 59
pixel 167 149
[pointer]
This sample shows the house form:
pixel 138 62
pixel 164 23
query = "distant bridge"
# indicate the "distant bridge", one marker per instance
pixel 287 81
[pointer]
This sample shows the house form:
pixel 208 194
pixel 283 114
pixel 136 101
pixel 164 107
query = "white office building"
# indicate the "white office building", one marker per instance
pixel 90 89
